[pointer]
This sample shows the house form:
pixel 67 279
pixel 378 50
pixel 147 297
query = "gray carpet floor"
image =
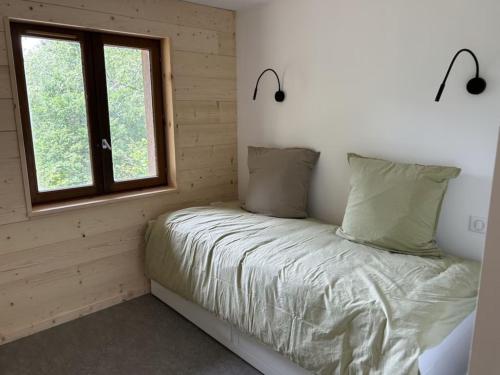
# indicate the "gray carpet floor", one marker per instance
pixel 139 337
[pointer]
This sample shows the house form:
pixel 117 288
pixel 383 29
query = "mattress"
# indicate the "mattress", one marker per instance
pixel 330 305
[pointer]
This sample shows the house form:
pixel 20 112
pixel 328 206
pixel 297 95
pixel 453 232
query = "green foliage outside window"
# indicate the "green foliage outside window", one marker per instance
pixel 56 95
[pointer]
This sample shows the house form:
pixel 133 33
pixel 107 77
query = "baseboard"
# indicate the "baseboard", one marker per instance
pixel 67 316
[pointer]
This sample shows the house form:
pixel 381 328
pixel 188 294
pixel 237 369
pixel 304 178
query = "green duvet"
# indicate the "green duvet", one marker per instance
pixel 330 305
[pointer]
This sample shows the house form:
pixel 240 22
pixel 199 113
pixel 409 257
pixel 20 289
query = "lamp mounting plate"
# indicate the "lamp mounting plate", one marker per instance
pixel 476 86
pixel 279 96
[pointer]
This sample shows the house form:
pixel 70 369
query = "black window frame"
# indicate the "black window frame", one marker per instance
pixel 92 45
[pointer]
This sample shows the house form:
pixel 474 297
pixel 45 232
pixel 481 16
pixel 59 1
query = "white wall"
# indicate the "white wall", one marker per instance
pixel 361 76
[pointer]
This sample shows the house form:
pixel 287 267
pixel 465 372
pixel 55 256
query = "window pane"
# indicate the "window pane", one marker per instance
pixel 128 79
pixel 56 96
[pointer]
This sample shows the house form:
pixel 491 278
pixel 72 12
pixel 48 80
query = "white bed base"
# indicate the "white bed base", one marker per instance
pixel 448 358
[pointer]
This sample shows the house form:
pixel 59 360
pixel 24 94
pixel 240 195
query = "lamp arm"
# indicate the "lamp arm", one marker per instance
pixel 258 80
pixel 477 78
pixel 455 57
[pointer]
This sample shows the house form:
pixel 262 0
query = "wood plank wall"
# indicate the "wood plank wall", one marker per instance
pixel 58 267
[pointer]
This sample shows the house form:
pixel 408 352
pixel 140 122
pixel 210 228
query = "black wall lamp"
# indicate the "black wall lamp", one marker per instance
pixel 279 96
pixel 475 86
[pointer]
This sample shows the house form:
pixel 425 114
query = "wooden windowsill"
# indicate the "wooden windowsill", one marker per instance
pixel 52 208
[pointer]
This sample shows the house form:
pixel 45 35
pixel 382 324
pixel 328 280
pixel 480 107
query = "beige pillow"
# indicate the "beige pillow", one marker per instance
pixel 279 181
pixel 395 206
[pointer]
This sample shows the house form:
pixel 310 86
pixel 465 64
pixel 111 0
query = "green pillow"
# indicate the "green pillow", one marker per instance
pixel 395 206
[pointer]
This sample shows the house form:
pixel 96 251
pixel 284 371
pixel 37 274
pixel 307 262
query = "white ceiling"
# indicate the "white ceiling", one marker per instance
pixel 229 4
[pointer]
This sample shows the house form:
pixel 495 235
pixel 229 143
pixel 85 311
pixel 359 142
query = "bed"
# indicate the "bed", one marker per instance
pixel 325 304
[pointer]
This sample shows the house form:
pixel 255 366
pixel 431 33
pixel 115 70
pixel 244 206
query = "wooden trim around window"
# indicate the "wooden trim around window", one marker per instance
pixel 92 47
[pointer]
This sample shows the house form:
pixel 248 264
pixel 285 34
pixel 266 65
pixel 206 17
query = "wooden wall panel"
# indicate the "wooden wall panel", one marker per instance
pixel 7 122
pixel 3 49
pixel 192 112
pixel 183 38
pixel 10 146
pixel 204 65
pixel 208 178
pixel 206 135
pixel 12 201
pixel 57 267
pixel 38 260
pixel 207 157
pixel 226 44
pixel 5 88
pixel 201 88
pixel 167 11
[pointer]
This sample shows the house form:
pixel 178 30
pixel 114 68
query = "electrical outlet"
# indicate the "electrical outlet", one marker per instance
pixel 477 224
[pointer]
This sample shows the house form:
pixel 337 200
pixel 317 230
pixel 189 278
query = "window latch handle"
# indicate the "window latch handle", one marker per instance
pixel 105 144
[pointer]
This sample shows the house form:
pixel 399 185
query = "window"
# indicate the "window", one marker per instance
pixel 92 111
